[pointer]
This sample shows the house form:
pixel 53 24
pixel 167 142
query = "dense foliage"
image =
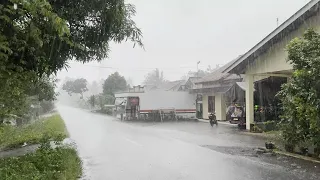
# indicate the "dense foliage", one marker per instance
pixel 92 101
pixel 78 86
pixel 45 163
pixel 41 35
pixel 38 37
pixel 52 127
pixel 301 95
pixel 115 82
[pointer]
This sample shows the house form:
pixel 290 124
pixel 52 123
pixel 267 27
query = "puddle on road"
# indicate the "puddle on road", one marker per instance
pixel 233 150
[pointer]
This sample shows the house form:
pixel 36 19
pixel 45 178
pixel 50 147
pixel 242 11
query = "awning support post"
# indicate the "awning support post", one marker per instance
pixel 249 100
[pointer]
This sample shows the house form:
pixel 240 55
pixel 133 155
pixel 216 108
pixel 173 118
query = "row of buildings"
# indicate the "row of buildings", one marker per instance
pixel 252 78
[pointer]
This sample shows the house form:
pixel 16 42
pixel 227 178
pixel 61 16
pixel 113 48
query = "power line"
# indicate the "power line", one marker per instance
pixel 110 67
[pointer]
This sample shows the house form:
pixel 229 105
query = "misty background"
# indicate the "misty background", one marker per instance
pixel 179 33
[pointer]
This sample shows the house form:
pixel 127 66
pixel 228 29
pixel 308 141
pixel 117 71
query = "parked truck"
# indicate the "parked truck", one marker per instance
pixel 156 105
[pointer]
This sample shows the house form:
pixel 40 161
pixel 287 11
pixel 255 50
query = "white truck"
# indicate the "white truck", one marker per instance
pixel 182 104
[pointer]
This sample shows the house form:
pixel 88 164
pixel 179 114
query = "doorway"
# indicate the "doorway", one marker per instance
pixel 211 104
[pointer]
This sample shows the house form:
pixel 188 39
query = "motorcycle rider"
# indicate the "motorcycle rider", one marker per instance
pixel 213 119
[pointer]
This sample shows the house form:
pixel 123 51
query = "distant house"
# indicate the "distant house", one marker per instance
pixel 189 84
pixel 211 89
pixel 168 86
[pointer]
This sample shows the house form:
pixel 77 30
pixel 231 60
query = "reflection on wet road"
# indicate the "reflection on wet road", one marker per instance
pixel 143 151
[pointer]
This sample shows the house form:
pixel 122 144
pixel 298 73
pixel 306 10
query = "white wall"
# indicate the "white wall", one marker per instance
pixel 167 100
pixel 220 106
pixel 205 107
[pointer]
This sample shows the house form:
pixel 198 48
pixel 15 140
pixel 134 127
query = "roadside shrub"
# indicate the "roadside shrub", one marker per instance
pixel 46 106
pixel 45 163
pixel 256 129
pixel 300 96
pixel 52 127
pixel 260 127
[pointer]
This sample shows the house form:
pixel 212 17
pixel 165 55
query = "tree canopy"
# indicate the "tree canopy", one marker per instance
pixel 154 77
pixel 38 37
pixel 115 82
pixel 300 96
pixel 78 86
pixel 43 35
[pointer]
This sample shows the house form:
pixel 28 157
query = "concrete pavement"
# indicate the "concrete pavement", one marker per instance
pixel 220 122
pixel 112 149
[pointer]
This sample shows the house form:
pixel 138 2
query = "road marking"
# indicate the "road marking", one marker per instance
pixel 133 142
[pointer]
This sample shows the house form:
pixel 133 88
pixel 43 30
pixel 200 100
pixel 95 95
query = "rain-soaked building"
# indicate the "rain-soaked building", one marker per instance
pixel 268 58
pixel 211 90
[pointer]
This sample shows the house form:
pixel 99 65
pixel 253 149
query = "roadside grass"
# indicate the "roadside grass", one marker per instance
pixel 47 162
pixel 52 127
pixel 61 163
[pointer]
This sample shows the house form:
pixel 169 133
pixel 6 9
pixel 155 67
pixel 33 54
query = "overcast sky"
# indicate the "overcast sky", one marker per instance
pixel 178 33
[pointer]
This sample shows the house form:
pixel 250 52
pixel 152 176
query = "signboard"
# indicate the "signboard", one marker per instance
pixel 134 101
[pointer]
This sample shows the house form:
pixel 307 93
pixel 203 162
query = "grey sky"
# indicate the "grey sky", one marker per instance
pixel 178 33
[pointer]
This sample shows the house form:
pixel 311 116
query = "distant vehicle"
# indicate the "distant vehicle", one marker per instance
pixel 213 119
pixel 237 117
pixel 155 105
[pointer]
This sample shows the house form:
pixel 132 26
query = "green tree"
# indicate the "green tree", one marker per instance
pixel 19 90
pixel 154 78
pixel 43 88
pixel 92 101
pixel 115 82
pixel 23 51
pixel 27 37
pixel 43 35
pixel 78 86
pixel 38 37
pixel 300 96
pixel 95 23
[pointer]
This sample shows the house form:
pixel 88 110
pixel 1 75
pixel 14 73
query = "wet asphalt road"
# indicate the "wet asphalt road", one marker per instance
pixel 116 150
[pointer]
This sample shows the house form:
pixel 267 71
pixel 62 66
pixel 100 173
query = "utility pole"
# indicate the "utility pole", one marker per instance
pixel 277 22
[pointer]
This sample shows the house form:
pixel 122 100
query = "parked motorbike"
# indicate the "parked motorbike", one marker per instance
pixel 213 119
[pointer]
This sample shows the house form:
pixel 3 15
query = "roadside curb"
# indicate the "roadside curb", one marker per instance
pixel 202 120
pixel 306 158
pixel 279 152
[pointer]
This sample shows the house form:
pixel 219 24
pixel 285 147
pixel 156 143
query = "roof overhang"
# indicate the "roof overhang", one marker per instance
pixel 220 89
pixel 293 23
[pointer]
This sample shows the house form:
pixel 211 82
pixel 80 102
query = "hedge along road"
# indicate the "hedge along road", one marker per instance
pixel 111 149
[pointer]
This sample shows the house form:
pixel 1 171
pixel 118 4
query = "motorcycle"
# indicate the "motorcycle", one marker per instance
pixel 213 119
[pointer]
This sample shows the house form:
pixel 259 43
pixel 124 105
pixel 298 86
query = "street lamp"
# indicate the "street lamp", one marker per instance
pixel 198 68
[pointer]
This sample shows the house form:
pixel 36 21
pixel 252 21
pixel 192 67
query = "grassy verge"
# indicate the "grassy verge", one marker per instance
pixel 60 163
pixel 46 163
pixel 52 127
